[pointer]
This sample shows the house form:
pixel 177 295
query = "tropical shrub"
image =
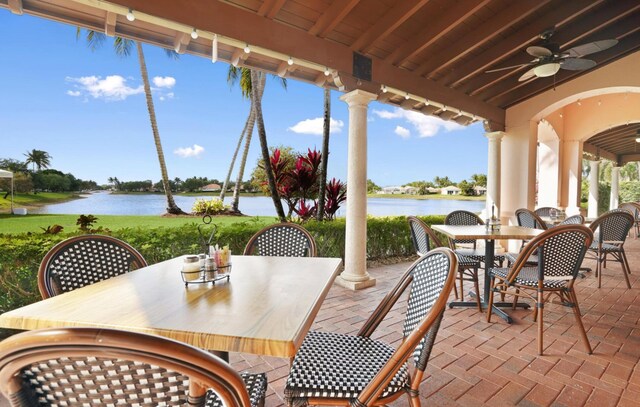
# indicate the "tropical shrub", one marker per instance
pixel 630 191
pixel 212 206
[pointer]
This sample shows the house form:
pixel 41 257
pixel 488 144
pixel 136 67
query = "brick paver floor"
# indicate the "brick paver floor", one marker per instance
pixel 475 363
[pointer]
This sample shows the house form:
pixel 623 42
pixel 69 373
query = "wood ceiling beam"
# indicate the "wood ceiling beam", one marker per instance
pixel 181 42
pixel 617 132
pixel 270 8
pixel 15 6
pixel 450 53
pixel 334 14
pixel 557 16
pixel 387 24
pixel 599 152
pixel 458 12
pixel 628 158
pixel 627 45
pixel 110 24
pixel 233 22
pixel 577 32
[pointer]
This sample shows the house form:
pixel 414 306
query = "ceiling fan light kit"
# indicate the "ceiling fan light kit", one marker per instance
pixel 550 69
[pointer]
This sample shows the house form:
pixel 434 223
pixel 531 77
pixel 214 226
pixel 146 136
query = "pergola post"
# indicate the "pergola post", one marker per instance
pixel 493 172
pixel 615 188
pixel 592 211
pixel 355 274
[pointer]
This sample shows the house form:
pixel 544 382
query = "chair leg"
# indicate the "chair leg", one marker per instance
pixel 461 276
pixel 539 309
pixel 515 298
pixel 599 269
pixel 490 304
pixel 476 286
pixel 625 267
pixel 414 400
pixel 576 312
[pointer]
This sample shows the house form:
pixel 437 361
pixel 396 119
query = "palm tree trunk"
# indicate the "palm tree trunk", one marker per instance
pixel 325 153
pixel 262 135
pixel 235 155
pixel 171 205
pixel 243 161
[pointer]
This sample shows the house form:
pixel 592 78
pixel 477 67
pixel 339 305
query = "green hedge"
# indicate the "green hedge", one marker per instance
pixel 387 237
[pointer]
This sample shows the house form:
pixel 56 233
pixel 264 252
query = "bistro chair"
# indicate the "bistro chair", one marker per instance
pixel 573 220
pixel 347 370
pixel 466 218
pixel 84 260
pixel 527 219
pixel 104 367
pixel 282 239
pixel 545 211
pixel 560 252
pixel 634 209
pixel 611 230
pixel 423 237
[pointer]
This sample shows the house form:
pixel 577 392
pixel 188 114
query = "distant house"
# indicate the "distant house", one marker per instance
pixel 479 190
pixel 433 190
pixel 211 188
pixel 450 190
pixel 399 190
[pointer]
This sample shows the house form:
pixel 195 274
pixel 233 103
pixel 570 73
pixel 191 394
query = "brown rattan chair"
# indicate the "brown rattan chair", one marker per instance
pixel 105 367
pixel 527 219
pixel 424 238
pixel 466 218
pixel 611 230
pixel 560 252
pixel 84 260
pixel 282 239
pixel 348 370
pixel 573 220
pixel 544 211
pixel 634 209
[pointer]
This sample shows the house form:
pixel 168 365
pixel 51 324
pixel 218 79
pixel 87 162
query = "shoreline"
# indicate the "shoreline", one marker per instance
pixel 46 200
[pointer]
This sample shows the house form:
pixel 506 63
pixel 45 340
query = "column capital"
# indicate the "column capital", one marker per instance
pixel 495 135
pixel 358 97
pixel 616 168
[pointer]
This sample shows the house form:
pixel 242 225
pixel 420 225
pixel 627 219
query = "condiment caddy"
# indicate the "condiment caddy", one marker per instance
pixel 203 269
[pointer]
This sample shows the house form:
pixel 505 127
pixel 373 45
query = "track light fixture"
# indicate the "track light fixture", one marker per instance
pixel 194 34
pixel 130 15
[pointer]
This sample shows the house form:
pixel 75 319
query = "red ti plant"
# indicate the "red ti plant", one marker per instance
pixel 336 195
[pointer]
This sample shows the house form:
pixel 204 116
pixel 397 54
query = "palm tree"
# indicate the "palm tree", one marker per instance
pixel 325 153
pixel 122 47
pixel 38 158
pixel 256 78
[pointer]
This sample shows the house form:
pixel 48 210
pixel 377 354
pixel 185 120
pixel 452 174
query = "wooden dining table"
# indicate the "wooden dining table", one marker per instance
pixel 480 232
pixel 266 307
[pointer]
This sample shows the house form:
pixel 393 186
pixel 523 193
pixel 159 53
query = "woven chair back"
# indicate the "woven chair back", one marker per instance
pixel 560 251
pixel 632 207
pixel 613 226
pixel 544 211
pixel 103 367
pixel 422 236
pixel 573 220
pixel 529 219
pixel 282 239
pixel 84 260
pixel 463 218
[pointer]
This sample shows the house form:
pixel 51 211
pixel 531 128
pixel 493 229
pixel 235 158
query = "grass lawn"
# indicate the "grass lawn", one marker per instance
pixel 11 224
pixel 39 199
pixel 430 196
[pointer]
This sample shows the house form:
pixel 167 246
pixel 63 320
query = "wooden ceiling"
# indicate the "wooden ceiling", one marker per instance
pixel 617 144
pixel 430 55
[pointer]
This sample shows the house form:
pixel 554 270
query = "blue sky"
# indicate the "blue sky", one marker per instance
pixel 86 109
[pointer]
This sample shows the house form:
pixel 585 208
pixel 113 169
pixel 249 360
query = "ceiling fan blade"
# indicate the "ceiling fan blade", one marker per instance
pixel 508 67
pixel 538 51
pixel 528 75
pixel 589 48
pixel 577 64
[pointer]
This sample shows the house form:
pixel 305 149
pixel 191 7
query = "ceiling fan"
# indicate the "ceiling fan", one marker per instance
pixel 548 59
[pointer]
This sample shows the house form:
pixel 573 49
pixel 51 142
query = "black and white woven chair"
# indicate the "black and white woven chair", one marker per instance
pixel 424 239
pixel 107 367
pixel 611 230
pixel 573 220
pixel 466 218
pixel 282 239
pixel 84 260
pixel 634 209
pixel 544 211
pixel 561 251
pixel 346 370
pixel 527 219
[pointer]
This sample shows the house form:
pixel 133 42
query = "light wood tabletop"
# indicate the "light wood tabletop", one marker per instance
pixel 266 308
pixel 480 232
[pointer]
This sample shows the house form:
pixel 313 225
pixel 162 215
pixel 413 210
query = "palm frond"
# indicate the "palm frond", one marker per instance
pixel 171 54
pixel 122 46
pixel 94 39
pixel 241 75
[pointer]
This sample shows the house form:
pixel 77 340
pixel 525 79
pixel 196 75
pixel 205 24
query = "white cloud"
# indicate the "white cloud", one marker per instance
pixel 111 88
pixel 164 81
pixel 315 126
pixel 426 126
pixel 187 152
pixel 402 132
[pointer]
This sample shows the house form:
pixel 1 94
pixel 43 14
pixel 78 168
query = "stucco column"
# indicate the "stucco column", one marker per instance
pixel 571 176
pixel 355 274
pixel 493 172
pixel 592 211
pixel 615 188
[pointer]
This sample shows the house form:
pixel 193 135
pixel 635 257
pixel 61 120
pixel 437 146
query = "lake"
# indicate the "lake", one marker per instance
pixel 105 203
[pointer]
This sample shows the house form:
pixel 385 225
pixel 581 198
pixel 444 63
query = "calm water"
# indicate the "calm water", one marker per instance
pixel 104 203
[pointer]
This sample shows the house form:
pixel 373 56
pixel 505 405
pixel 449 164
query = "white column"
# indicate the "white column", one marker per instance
pixel 615 190
pixel 592 211
pixel 571 176
pixel 493 172
pixel 355 274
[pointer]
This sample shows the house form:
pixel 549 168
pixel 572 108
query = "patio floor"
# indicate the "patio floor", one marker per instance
pixel 477 363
